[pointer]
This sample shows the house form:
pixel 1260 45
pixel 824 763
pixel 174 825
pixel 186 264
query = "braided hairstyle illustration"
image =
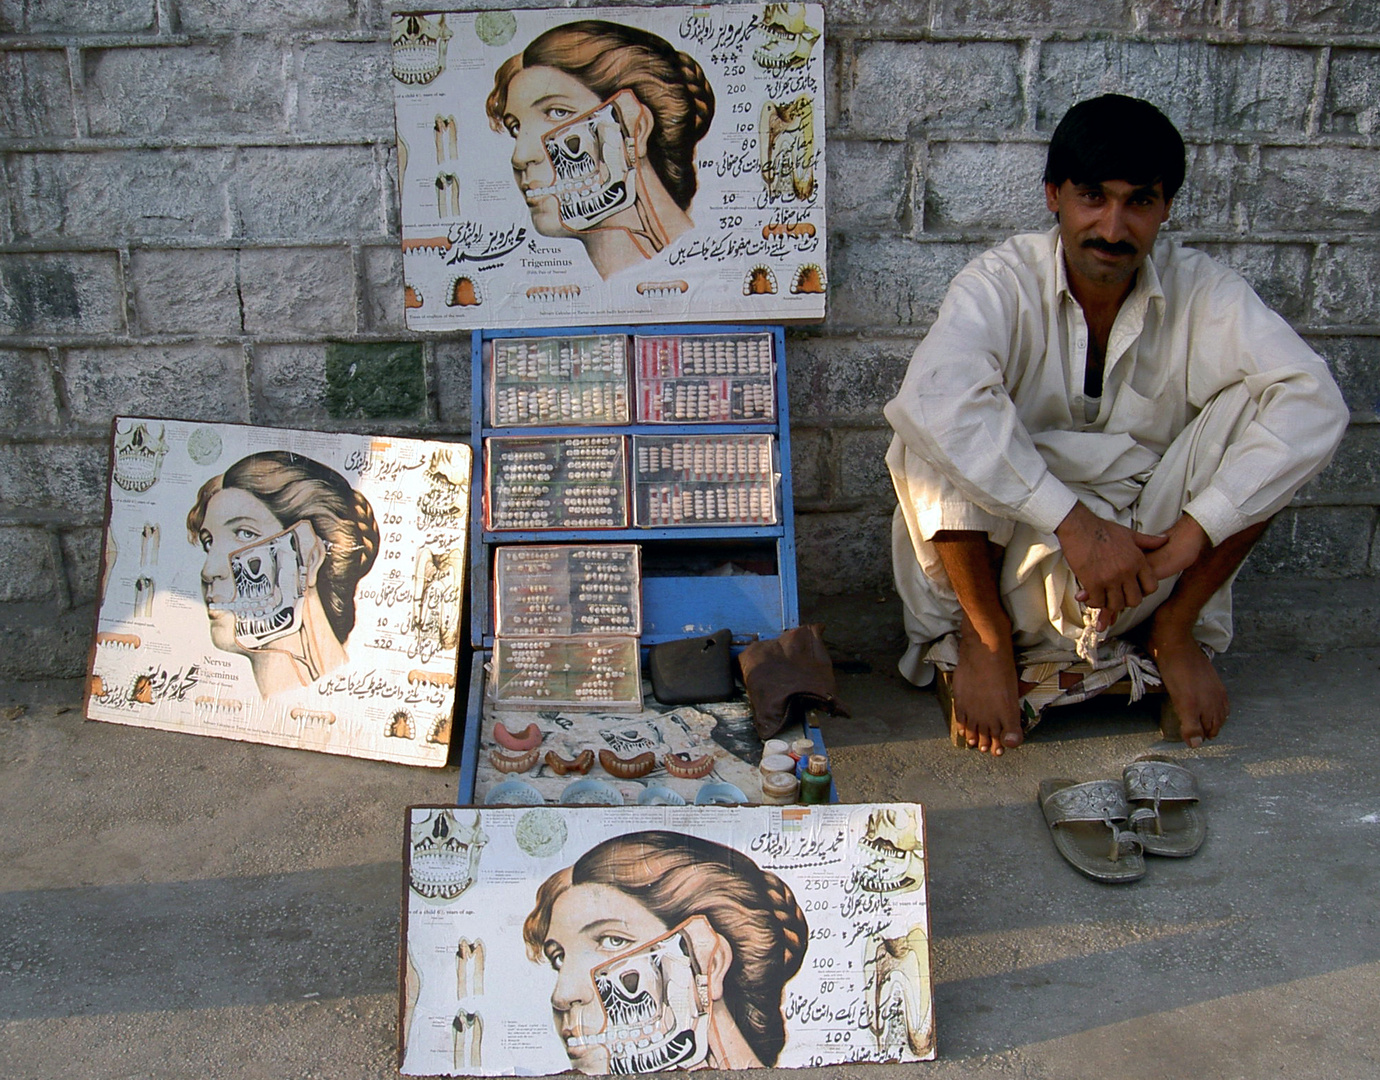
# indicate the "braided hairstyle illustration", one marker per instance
pixel 608 57
pixel 296 488
pixel 676 876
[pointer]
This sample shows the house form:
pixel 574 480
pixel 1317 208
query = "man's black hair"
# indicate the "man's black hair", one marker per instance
pixel 1114 137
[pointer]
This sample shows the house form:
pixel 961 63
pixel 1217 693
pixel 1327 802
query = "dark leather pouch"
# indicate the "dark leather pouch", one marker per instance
pixel 693 670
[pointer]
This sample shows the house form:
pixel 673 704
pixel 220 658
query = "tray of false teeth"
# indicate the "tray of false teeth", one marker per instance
pixel 556 590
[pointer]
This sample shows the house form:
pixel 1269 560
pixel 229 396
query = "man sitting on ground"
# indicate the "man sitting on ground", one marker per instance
pixel 1093 434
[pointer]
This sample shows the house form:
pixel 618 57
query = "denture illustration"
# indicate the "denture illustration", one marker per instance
pixel 893 854
pixel 127 641
pixel 464 292
pixel 627 768
pixel 432 678
pixel 790 39
pixel 685 767
pixel 808 278
pixel 581 763
pixel 760 281
pixel 438 244
pixel 781 229
pixel 552 292
pixel 440 730
pixel 662 288
pixel 469 968
pixel 138 456
pixel 143 690
pixel 513 763
pixel 312 716
pixel 97 687
pixel 412 297
pixel 399 725
pixel 445 854
pixel 527 739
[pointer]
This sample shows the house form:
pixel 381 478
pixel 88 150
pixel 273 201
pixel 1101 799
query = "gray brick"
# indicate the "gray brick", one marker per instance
pixel 121 194
pixel 831 378
pixel 81 559
pixel 383 284
pixel 233 87
pixel 1308 189
pixel 1200 87
pixel 1305 16
pixel 811 464
pixel 980 14
pixel 1219 191
pixel 45 644
pixel 867 182
pixel 1178 14
pixel 888 283
pixel 451 377
pixel 182 291
pixel 1344 289
pixel 88 16
pixel 1353 92
pixel 862 473
pixel 345 90
pixel 837 553
pixel 1355 364
pixel 191 382
pixel 68 292
pixel 27 573
pixel 899 83
pixel 1354 474
pixel 27 397
pixel 298 290
pixel 290 384
pixel 38 94
pixel 308 193
pixel 70 477
pixel 1314 542
pixel 11 16
pixel 1278 272
pixel 200 16
pixel 985 185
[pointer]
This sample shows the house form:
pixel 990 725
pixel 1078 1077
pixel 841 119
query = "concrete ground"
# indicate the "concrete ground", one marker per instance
pixel 176 906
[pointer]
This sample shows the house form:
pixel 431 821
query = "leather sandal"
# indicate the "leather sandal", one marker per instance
pixel 1164 800
pixel 1085 821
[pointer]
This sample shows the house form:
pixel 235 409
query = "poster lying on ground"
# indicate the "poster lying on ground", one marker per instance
pixel 642 939
pixel 295 588
pixel 561 167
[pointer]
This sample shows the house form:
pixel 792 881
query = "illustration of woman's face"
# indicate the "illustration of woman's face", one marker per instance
pixel 540 99
pixel 590 924
pixel 236 520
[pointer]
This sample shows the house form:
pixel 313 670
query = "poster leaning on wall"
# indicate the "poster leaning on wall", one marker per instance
pixel 567 166
pixel 295 588
pixel 638 939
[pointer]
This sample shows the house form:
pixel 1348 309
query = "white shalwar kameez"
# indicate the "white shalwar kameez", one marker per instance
pixel 1210 405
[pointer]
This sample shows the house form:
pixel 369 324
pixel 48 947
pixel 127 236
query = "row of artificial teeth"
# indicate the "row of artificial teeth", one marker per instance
pixel 249 608
pixel 620 1038
pixel 561 187
pixel 586 207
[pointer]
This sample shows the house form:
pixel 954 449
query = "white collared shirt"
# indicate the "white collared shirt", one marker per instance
pixel 1005 360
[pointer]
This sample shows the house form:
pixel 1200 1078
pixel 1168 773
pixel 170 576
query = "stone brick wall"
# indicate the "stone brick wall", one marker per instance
pixel 199 220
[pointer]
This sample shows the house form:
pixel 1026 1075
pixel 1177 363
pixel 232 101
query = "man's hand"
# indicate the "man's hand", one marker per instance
pixel 1184 544
pixel 1109 561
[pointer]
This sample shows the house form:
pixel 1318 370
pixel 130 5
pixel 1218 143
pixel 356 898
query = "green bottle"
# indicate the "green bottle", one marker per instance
pixel 815 780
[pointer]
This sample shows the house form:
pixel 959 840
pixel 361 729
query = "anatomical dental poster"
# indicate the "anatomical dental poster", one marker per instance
pixel 565 166
pixel 638 939
pixel 295 588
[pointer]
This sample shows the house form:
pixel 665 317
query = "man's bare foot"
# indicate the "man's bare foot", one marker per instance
pixel 1194 686
pixel 987 704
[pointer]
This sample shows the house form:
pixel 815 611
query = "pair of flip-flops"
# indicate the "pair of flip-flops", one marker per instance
pixel 1104 828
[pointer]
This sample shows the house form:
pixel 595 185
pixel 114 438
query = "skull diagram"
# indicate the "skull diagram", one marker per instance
pixel 445 854
pixel 893 853
pixel 138 456
pixel 790 39
pixel 419 48
pixel 594 160
pixel 270 582
pixel 656 1004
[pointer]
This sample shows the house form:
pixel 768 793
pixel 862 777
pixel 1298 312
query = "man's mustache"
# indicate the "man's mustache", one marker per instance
pixel 1121 247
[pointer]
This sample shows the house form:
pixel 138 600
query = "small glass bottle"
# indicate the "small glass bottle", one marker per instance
pixel 815 781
